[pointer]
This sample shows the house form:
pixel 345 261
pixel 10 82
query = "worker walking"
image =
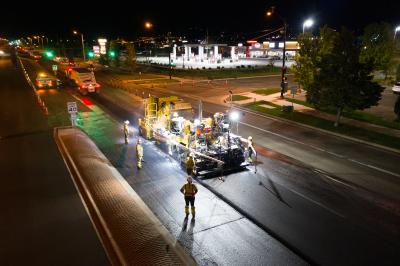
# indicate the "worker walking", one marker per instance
pixel 189 190
pixel 126 131
pixel 250 149
pixel 190 164
pixel 139 154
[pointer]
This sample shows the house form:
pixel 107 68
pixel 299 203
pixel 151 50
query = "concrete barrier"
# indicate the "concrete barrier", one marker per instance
pixel 130 233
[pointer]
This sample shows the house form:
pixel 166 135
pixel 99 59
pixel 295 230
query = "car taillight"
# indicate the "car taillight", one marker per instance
pixel 97 85
pixel 83 86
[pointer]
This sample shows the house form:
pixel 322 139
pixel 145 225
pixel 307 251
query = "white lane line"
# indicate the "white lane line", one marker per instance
pixel 320 172
pixel 323 150
pixel 317 203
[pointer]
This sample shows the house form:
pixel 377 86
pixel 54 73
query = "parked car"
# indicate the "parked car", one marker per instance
pixel 396 88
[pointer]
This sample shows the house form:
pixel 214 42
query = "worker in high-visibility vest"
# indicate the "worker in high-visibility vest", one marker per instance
pixel 139 154
pixel 190 164
pixel 250 149
pixel 126 131
pixel 189 190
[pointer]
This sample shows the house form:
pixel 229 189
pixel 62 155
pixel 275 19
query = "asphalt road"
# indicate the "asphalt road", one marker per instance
pixel 352 162
pixel 43 221
pixel 326 220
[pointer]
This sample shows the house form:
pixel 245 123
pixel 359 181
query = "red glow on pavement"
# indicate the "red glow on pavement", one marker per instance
pixel 87 102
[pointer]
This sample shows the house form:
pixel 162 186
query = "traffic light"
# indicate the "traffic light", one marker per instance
pixel 112 54
pixel 91 54
pixel 49 54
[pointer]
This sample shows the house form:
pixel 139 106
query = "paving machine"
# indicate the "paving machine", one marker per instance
pixel 169 121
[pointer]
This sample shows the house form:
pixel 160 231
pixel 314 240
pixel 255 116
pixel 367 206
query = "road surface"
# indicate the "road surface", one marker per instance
pixel 43 221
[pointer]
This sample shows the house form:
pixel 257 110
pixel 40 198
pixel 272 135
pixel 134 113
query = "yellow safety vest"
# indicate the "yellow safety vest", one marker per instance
pixel 189 189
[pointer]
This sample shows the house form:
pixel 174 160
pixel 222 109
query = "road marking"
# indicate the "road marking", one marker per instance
pixel 323 150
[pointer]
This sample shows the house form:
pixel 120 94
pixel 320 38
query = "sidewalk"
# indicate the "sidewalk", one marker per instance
pixel 276 99
pixel 219 235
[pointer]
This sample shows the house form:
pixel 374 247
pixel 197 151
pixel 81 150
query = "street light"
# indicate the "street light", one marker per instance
pixel 271 12
pixel 234 117
pixel 83 44
pixel 395 31
pixel 148 25
pixel 307 24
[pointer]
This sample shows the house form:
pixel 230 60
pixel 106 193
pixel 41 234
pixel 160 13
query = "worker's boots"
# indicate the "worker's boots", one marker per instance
pixel 187 211
pixel 193 212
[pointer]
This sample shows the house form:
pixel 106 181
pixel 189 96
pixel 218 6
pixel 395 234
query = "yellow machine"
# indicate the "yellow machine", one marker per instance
pixel 169 121
pixel 161 116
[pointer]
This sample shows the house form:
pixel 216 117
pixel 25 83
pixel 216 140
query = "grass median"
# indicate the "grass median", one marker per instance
pixel 351 131
pixel 353 114
pixel 267 91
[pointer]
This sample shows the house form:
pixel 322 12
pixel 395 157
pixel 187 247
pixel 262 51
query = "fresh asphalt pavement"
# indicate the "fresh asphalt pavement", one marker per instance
pixel 324 221
pixel 43 221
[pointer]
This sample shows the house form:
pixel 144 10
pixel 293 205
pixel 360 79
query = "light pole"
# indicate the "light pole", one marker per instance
pixel 83 45
pixel 307 24
pixel 269 14
pixel 148 25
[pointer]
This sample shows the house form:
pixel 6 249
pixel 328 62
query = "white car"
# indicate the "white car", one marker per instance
pixel 396 87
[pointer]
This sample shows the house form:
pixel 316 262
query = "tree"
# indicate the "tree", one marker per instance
pixel 341 80
pixel 114 48
pixel 378 46
pixel 397 108
pixel 312 49
pixel 398 73
pixel 131 56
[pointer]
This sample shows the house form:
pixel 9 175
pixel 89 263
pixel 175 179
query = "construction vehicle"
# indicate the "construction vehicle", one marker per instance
pixel 169 121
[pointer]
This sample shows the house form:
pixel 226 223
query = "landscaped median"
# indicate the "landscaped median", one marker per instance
pixel 347 130
pixel 353 114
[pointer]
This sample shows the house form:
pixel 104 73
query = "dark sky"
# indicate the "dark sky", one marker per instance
pixel 126 18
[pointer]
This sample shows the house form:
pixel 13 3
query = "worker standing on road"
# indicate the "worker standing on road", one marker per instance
pixel 139 154
pixel 189 190
pixel 190 164
pixel 250 149
pixel 126 131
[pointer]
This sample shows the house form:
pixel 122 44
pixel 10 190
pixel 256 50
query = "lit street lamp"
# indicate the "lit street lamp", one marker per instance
pixel 83 45
pixel 307 24
pixel 270 13
pixel 395 31
pixel 234 117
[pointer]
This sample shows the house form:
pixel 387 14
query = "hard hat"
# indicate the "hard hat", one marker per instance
pixel 189 179
pixel 126 122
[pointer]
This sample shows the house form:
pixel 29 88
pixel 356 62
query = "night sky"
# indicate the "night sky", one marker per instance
pixel 125 18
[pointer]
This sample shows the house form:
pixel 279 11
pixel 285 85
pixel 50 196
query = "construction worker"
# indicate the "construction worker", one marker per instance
pixel 190 164
pixel 126 131
pixel 139 154
pixel 250 149
pixel 189 190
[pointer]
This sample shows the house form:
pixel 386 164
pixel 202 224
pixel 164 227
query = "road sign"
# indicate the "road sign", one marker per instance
pixel 54 67
pixel 72 108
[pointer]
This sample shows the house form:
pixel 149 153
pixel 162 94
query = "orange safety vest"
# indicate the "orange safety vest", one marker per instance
pixel 189 189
